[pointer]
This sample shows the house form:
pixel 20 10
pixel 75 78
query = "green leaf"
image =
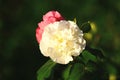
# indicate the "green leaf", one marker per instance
pixel 90 67
pixel 85 27
pixel 97 52
pixel 66 72
pixel 45 71
pixel 77 71
pixel 88 56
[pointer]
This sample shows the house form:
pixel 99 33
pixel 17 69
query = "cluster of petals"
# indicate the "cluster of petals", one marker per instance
pixel 59 39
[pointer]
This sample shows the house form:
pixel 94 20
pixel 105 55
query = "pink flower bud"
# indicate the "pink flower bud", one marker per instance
pixel 50 17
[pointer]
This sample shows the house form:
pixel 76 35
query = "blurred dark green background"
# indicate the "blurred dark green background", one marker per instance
pixel 20 57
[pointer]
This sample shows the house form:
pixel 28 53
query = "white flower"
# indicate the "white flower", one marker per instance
pixel 61 40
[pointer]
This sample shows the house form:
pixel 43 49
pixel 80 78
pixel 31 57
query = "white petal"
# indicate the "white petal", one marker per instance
pixel 62 40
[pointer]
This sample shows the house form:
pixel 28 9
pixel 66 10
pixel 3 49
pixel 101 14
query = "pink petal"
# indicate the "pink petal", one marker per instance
pixel 38 34
pixel 50 17
pixel 54 15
